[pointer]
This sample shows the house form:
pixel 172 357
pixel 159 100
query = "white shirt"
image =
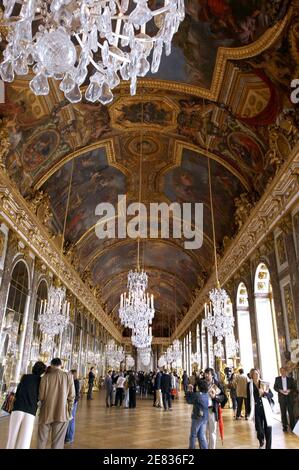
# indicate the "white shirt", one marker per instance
pixel 120 382
pixel 284 383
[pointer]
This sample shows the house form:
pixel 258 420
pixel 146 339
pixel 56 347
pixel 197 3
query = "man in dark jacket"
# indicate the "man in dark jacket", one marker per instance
pixel 157 386
pixel 185 381
pixel 285 387
pixel 217 398
pixel 166 390
pixel 91 377
pixel 108 385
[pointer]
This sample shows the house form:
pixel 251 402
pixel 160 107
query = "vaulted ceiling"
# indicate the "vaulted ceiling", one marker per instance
pixel 220 94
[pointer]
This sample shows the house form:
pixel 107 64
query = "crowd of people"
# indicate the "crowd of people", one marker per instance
pixel 53 394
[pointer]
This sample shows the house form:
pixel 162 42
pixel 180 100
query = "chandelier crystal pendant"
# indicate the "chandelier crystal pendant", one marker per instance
pixel 142 335
pixel 137 281
pixel 98 41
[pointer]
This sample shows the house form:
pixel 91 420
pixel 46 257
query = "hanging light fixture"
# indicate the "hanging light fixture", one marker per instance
pixel 145 355
pixel 130 362
pixel 54 313
pixel 114 354
pixel 217 322
pixel 137 308
pixel 98 41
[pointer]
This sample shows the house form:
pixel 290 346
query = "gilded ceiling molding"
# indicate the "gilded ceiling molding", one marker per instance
pixel 148 241
pixel 107 144
pixel 207 239
pixel 19 217
pixel 223 55
pixel 279 198
pixel 121 100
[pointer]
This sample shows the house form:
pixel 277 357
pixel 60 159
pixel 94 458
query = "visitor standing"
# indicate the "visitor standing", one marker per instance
pixel 91 378
pixel 70 433
pixel 24 409
pixel 57 396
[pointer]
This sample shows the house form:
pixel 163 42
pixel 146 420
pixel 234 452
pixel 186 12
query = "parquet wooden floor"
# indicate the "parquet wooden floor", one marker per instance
pixel 146 427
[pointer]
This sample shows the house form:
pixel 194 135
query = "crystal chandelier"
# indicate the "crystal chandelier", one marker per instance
pixel 196 358
pixel 130 362
pixel 174 352
pixel 142 335
pixel 54 313
pixel 136 308
pixel 231 345
pixel 217 321
pixel 90 357
pixel 145 355
pixel 66 349
pixel 99 41
pixel 47 345
pixel 162 361
pixel 114 355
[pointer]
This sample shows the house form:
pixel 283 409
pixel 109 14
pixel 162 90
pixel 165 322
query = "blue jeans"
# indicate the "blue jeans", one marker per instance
pixel 198 430
pixel 70 433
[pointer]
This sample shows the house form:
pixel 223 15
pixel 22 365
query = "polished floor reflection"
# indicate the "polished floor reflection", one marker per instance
pixel 147 427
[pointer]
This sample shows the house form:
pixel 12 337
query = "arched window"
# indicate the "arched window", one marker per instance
pixel 14 324
pixel 244 328
pixel 230 339
pixel 266 324
pixel 42 294
pixel 77 340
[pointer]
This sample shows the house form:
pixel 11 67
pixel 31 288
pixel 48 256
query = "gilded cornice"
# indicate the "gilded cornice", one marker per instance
pixel 107 144
pixel 126 341
pixel 279 198
pixel 223 55
pixel 17 214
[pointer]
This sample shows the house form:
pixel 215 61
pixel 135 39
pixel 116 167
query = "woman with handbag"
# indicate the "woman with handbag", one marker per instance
pixel 24 409
pixel 258 410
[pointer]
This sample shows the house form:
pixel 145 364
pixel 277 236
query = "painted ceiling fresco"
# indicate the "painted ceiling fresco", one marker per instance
pixel 167 130
pixel 211 24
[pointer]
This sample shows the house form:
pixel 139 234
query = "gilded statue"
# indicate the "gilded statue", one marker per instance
pixel 87 278
pixel 243 209
pixel 273 156
pixel 40 204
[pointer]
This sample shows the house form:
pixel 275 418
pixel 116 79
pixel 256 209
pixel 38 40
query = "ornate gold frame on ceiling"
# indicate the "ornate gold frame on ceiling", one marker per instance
pixel 142 98
pixel 180 145
pixel 107 144
pixel 223 55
